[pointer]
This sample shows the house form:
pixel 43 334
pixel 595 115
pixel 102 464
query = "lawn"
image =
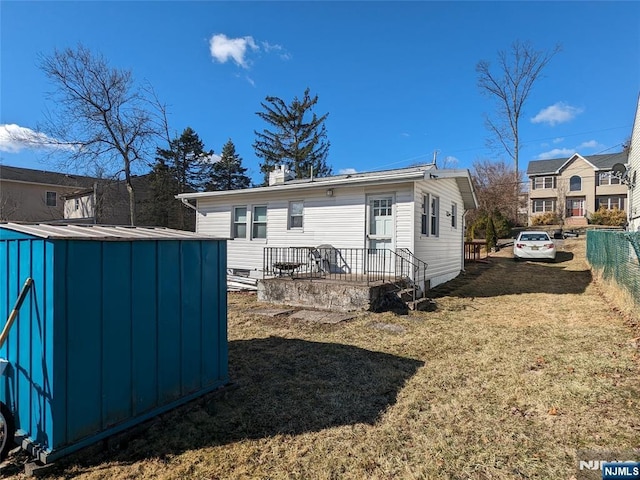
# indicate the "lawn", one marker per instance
pixel 522 365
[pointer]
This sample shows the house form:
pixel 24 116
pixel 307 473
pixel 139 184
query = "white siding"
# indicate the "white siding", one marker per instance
pixel 444 253
pixel 339 220
pixel 634 172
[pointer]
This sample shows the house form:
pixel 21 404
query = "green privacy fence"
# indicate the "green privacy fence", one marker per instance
pixel 616 255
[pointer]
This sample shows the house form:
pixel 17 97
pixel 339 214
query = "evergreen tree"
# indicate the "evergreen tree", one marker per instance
pixel 298 140
pixel 228 172
pixel 182 168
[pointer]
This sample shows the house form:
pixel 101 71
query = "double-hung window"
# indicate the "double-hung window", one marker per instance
pixel 544 182
pixel 296 211
pixel 259 222
pixel 51 199
pixel 543 205
pixel 435 210
pixel 424 228
pixel 239 222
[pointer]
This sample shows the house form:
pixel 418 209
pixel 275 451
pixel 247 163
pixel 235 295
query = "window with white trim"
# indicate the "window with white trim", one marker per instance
pixel 51 199
pixel 259 222
pixel 296 212
pixel 424 228
pixel 543 182
pixel 239 222
pixel 575 184
pixel 610 202
pixel 543 205
pixel 607 178
pixel 435 210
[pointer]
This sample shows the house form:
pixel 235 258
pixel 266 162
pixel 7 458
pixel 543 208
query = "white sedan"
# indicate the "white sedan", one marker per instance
pixel 534 245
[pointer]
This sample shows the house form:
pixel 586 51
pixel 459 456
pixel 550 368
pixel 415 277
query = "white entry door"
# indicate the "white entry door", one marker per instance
pixel 380 239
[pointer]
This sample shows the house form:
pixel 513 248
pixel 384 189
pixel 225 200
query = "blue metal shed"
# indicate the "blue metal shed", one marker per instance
pixel 119 325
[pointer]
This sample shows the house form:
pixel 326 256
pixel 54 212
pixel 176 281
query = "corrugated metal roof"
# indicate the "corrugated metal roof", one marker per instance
pixel 101 232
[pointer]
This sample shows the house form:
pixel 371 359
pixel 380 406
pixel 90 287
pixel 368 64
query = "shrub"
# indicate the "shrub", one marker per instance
pixel 548 218
pixel 492 238
pixel 613 218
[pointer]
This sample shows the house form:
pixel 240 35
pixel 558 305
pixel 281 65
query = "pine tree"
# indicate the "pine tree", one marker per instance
pixel 228 172
pixel 298 142
pixel 182 168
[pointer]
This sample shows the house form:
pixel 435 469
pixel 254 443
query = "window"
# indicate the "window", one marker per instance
pixel 259 221
pixel 610 203
pixel 454 215
pixel 239 222
pixel 76 205
pixel 425 215
pixel 544 182
pixel 541 206
pixel 296 210
pixel 575 184
pixel 607 178
pixel 52 199
pixel 435 209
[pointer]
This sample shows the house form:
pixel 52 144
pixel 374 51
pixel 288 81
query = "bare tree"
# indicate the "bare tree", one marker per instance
pixel 101 116
pixel 510 86
pixel 494 185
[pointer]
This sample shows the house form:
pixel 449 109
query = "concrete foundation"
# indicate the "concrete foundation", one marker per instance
pixel 322 294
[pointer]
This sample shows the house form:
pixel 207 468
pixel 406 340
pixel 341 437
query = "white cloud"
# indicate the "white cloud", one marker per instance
pixel 405 134
pixel 268 47
pixel 223 48
pixel 559 112
pixel 589 144
pixel 347 171
pixel 557 153
pixel 14 138
pixel 450 162
pixel 558 140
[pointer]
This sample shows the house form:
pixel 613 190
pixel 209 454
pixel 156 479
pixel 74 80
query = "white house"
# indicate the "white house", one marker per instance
pixel 418 208
pixel 634 174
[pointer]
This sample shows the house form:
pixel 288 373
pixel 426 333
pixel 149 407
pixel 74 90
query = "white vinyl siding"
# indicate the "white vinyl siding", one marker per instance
pixel 444 252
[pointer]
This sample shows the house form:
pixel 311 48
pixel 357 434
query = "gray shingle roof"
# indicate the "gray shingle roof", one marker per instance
pixel 45 177
pixel 549 167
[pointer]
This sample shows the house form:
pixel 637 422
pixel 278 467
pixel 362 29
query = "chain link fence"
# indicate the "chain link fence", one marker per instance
pixel 616 256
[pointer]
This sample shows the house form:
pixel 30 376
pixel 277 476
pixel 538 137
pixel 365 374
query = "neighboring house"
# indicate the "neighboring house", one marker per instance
pixel 633 174
pixel 28 195
pixel 36 195
pixel 575 187
pixel 419 208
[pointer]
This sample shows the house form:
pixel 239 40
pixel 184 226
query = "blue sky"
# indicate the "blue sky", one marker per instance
pixel 397 78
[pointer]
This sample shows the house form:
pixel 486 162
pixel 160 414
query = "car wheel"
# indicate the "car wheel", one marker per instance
pixel 7 431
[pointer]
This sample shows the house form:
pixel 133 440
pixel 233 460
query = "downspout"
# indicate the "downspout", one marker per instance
pixel 186 202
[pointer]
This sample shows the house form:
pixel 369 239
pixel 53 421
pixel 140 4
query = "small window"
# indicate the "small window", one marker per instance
pixel 425 215
pixel 544 182
pixel 259 221
pixel 454 215
pixel 52 199
pixel 296 210
pixel 239 222
pixel 575 184
pixel 435 209
pixel 608 178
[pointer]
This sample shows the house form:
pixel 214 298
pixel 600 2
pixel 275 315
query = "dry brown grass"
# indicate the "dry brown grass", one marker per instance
pixel 520 366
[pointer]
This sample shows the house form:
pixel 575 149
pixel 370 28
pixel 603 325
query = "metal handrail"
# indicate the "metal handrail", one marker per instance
pixel 351 264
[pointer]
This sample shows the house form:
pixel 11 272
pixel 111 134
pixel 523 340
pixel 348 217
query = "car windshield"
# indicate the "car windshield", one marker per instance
pixel 534 237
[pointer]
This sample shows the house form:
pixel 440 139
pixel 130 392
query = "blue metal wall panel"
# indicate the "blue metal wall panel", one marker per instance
pixel 191 286
pixel 144 330
pixel 84 343
pixel 117 348
pixel 169 320
pixel 58 356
